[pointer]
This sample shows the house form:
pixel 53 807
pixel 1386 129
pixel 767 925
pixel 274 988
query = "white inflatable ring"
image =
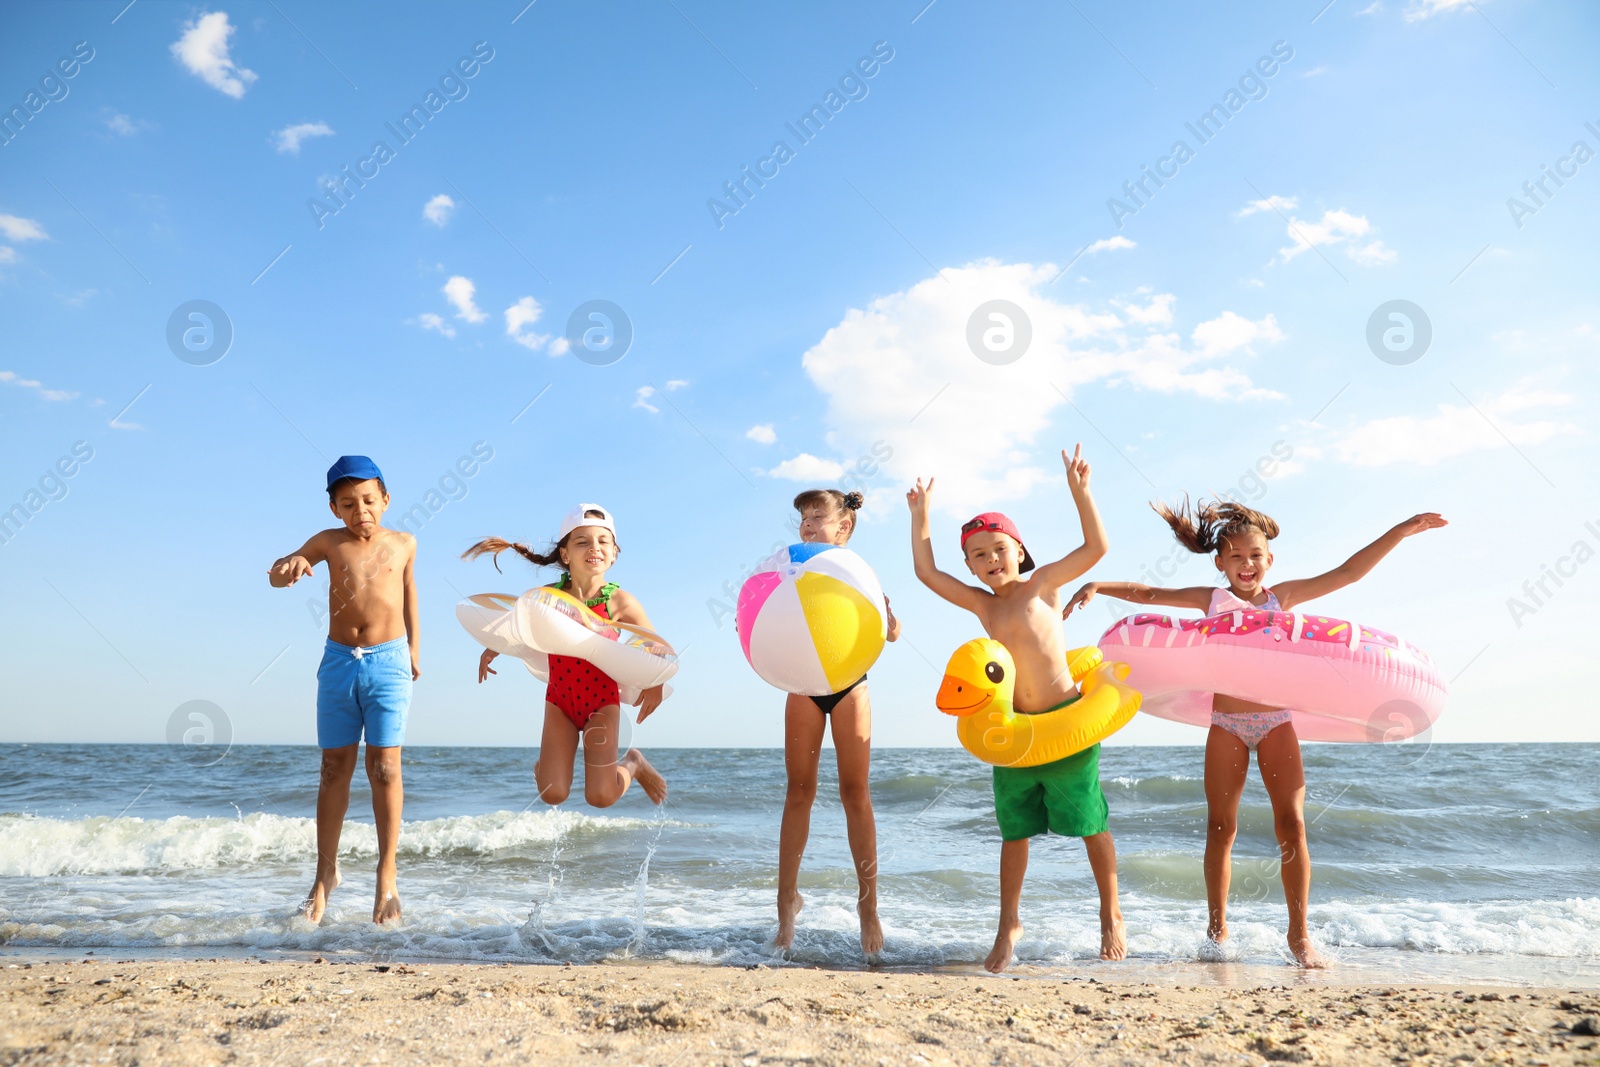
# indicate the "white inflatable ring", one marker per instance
pixel 545 621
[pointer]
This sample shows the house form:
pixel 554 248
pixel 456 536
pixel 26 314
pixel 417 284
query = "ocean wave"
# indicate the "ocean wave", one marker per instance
pixel 35 847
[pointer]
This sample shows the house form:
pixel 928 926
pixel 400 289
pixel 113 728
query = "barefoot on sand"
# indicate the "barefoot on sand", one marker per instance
pixel 649 779
pixel 1005 943
pixel 386 907
pixel 788 911
pixel 871 929
pixel 316 901
pixel 1113 942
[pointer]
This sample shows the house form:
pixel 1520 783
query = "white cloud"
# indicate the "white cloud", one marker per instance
pixel 1426 8
pixel 458 290
pixel 287 140
pixel 12 378
pixel 1229 332
pixel 1158 312
pixel 807 468
pixel 1372 8
pixel 523 313
pixel 203 49
pixel 675 384
pixel 1108 244
pixel 1313 72
pixel 429 321
pixel 560 346
pixel 123 126
pixel 7 254
pixel 1454 430
pixel 439 209
pixel 641 398
pixel 899 371
pixel 763 434
pixel 1271 203
pixel 16 228
pixel 1337 227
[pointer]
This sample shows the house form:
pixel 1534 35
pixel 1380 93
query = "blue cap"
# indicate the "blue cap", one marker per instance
pixel 358 467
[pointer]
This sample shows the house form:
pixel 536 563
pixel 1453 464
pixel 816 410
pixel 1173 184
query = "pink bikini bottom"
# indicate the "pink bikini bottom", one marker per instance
pixel 1250 726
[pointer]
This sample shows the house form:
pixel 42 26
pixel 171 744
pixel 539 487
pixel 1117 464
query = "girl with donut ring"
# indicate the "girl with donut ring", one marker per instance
pixel 1237 538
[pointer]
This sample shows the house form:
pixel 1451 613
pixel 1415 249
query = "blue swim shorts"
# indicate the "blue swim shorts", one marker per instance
pixel 363 688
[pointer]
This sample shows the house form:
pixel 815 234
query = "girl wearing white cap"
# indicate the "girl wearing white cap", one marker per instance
pixel 581 700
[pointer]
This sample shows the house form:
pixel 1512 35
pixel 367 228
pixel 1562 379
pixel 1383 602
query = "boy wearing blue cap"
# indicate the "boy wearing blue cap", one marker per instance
pixel 369 663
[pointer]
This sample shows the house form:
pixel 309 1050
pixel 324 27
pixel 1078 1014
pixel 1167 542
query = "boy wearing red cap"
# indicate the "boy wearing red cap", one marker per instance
pixel 1063 797
pixel 368 665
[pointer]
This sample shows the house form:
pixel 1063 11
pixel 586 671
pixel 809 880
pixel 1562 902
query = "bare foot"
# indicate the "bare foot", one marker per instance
pixel 316 901
pixel 788 911
pixel 1113 943
pixel 649 779
pixel 1005 943
pixel 1305 953
pixel 386 907
pixel 871 929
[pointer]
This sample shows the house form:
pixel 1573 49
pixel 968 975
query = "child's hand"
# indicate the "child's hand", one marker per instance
pixel 290 569
pixel 416 670
pixel 649 700
pixel 894 623
pixel 1428 520
pixel 1077 469
pixel 1081 598
pixel 917 499
pixel 484 670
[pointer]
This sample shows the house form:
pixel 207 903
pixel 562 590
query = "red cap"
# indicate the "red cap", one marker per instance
pixel 993 520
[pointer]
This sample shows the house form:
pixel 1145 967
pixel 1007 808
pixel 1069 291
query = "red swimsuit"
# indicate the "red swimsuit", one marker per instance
pixel 577 687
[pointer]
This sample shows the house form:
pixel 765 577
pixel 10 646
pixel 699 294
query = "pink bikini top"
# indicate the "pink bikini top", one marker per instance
pixel 1223 600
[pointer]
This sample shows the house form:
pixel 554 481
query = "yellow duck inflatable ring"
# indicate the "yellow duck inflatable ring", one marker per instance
pixel 977 688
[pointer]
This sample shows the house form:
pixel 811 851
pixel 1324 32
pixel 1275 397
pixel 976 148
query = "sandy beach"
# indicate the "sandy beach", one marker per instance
pixel 244 1011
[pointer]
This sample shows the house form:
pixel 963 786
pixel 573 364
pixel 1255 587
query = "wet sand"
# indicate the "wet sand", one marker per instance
pixel 246 1012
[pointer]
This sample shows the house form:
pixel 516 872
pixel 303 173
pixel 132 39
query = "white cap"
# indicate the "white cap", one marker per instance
pixel 577 517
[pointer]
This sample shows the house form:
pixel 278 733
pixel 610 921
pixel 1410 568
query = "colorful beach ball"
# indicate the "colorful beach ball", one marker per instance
pixel 812 619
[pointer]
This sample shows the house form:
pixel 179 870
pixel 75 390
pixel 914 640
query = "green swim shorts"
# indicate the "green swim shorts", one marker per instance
pixel 1063 798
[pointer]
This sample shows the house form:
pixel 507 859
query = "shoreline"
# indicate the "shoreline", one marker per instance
pixel 198 1011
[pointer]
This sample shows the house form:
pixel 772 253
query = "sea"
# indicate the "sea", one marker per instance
pixel 1431 863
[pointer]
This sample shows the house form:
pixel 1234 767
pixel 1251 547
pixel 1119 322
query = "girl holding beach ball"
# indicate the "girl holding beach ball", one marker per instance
pixel 810 623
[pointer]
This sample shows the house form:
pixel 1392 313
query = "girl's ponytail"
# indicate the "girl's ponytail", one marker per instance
pixel 493 546
pixel 1204 529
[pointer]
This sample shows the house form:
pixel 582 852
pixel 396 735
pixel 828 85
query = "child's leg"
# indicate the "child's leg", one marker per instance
pixel 558 747
pixel 852 743
pixel 1227 767
pixel 1013 866
pixel 605 778
pixel 803 723
pixel 333 798
pixel 1284 775
pixel 383 772
pixel 1103 862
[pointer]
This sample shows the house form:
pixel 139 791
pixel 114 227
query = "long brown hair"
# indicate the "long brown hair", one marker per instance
pixel 834 500
pixel 493 546
pixel 1203 528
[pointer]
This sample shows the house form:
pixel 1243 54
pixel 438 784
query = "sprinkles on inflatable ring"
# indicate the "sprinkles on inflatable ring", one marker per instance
pixel 1342 681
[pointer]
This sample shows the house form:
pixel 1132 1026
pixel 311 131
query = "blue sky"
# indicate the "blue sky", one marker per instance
pixel 1217 323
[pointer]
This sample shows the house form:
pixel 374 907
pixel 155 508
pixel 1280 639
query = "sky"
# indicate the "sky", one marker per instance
pixel 687 259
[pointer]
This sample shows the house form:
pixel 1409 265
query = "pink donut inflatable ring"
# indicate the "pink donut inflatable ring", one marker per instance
pixel 1342 681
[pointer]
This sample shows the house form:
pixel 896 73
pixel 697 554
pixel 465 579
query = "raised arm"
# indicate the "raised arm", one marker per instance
pixel 1197 597
pixel 948 586
pixel 1077 562
pixel 287 570
pixel 629 610
pixel 1357 566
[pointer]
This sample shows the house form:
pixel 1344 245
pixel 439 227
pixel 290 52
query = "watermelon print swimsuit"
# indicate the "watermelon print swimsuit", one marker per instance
pixel 577 687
